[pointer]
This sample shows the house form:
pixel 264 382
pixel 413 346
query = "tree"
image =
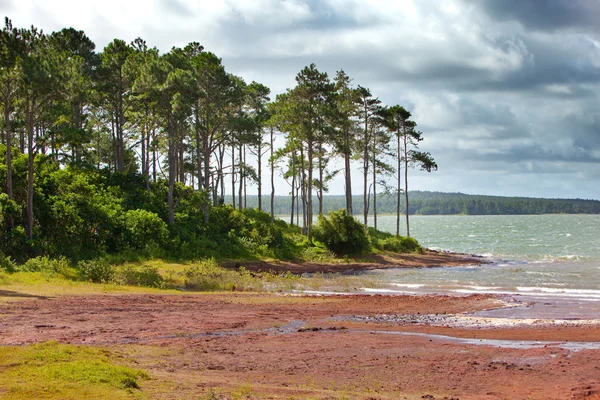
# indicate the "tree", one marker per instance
pixel 369 108
pixel 257 99
pixel 11 48
pixel 303 116
pixel 346 108
pixel 395 119
pixel 412 158
pixel 115 85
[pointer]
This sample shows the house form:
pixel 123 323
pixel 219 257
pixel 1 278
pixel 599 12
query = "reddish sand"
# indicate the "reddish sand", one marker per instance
pixel 270 346
pixel 429 259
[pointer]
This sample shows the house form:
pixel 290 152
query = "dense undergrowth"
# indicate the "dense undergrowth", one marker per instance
pixel 104 227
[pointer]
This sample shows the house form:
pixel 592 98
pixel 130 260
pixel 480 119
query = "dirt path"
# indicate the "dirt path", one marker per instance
pixel 270 346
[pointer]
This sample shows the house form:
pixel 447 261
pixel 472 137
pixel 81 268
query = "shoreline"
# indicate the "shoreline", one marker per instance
pixel 355 347
pixel 430 259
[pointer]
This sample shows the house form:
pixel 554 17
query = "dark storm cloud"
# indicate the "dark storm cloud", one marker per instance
pixel 586 134
pixel 546 15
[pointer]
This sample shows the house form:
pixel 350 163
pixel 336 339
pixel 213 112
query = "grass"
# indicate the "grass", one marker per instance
pixel 58 371
pixel 20 285
pixel 173 278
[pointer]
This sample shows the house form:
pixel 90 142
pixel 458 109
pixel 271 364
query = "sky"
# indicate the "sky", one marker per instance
pixel 506 92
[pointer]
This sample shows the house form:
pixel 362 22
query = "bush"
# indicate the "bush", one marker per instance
pixel 341 233
pixel 388 242
pixel 7 264
pixel 45 264
pixel 204 276
pixel 97 271
pixel 143 276
pixel 143 229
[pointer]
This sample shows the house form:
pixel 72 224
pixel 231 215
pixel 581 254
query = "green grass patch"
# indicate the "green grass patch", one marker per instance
pixel 58 371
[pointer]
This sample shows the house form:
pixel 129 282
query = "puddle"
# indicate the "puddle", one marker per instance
pixel 475 320
pixel 508 344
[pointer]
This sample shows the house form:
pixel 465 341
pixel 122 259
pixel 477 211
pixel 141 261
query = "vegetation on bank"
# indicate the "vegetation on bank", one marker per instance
pixel 104 227
pixel 174 132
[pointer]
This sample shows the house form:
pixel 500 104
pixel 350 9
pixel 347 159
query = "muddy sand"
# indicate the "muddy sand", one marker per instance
pixel 320 347
pixel 429 259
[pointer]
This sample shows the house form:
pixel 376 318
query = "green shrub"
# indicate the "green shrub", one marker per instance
pixel 97 271
pixel 314 253
pixel 388 242
pixel 7 264
pixel 341 233
pixel 204 276
pixel 45 264
pixel 143 276
pixel 143 229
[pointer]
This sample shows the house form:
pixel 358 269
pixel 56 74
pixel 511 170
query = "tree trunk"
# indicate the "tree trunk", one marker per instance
pixel 366 172
pixel 197 127
pixel 309 189
pixel 29 111
pixel 374 186
pixel 320 179
pixel 399 187
pixel 206 156
pixel 365 187
pixel 347 173
pixel 154 156
pixel 303 190
pixel 259 153
pixel 9 168
pixel 233 176
pixel 241 188
pixel 406 184
pixel 273 182
pixel 172 169
pixel 147 157
pixel 245 180
pixel 294 191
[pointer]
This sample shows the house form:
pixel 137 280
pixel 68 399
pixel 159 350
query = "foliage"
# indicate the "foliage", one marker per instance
pixel 341 233
pixel 121 154
pixel 45 264
pixel 144 230
pixel 7 264
pixel 96 271
pixel 388 242
pixel 140 276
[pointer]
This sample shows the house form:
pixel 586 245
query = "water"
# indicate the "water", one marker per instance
pixel 544 257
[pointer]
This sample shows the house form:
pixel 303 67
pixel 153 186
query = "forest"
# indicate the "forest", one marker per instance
pixel 439 203
pixel 130 150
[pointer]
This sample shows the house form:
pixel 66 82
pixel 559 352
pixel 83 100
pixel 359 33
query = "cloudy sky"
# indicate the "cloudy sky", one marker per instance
pixel 506 92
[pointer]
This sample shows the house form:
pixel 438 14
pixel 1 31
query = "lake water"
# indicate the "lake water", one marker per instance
pixel 535 258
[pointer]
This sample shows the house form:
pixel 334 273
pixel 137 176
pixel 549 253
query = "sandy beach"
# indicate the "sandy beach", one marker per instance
pixel 321 347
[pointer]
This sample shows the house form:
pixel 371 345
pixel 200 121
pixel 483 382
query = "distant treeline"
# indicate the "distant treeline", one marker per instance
pixel 438 203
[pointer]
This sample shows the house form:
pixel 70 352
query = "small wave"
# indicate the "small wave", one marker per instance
pixel 558 290
pixel 386 291
pixel 485 287
pixel 409 285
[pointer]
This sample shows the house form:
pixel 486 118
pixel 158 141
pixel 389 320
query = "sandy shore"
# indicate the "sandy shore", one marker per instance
pixel 376 261
pixel 319 347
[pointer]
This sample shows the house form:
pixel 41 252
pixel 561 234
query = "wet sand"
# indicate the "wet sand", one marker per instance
pixel 322 347
pixel 429 259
